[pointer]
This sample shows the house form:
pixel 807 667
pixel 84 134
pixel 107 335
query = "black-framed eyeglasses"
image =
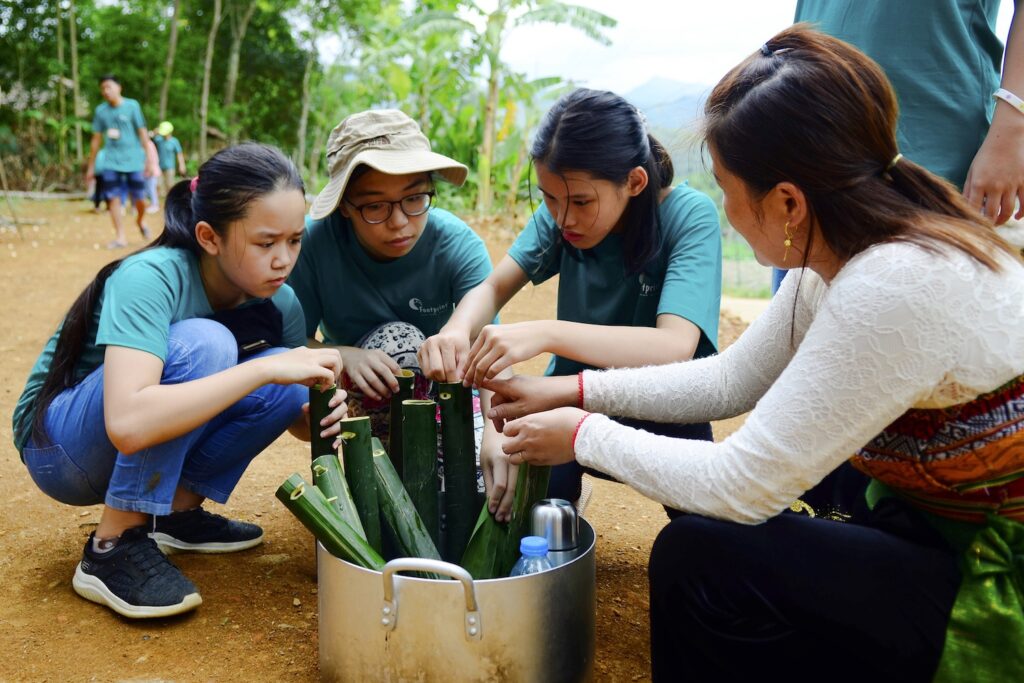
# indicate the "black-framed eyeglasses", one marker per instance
pixel 378 212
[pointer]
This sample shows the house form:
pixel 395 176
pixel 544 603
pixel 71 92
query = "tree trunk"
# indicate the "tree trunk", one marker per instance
pixel 522 157
pixel 320 138
pixel 239 25
pixel 75 90
pixel 62 105
pixel 486 160
pixel 204 101
pixel 300 147
pixel 172 46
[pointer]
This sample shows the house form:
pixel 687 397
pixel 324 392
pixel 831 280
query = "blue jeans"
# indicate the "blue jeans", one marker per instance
pixel 777 276
pixel 82 467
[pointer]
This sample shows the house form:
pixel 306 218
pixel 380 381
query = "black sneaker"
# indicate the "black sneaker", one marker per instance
pixel 134 579
pixel 199 531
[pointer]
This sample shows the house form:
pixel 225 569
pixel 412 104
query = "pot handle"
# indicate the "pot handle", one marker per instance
pixel 389 612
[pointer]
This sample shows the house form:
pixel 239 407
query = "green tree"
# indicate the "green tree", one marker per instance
pixel 505 18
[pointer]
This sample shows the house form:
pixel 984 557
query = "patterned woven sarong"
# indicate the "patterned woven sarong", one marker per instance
pixel 963 462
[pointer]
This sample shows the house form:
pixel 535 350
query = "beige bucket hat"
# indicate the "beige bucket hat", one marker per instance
pixel 384 139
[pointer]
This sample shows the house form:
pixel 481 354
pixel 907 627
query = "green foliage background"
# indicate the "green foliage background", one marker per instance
pixel 434 59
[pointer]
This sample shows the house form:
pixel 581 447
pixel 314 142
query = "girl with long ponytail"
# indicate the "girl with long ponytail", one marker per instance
pixel 172 370
pixel 639 264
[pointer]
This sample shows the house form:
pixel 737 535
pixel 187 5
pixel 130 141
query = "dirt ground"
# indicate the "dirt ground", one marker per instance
pixel 258 621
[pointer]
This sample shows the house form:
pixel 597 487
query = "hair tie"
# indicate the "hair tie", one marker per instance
pixel 895 160
pixel 765 50
pixel 193 184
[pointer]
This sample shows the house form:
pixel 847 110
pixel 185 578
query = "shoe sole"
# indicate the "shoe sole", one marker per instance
pixel 169 545
pixel 91 588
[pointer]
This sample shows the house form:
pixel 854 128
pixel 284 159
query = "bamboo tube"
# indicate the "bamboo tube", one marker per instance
pixel 412 536
pixel 308 504
pixel 328 478
pixel 357 457
pixel 458 449
pixel 419 457
pixel 318 410
pixel 406 380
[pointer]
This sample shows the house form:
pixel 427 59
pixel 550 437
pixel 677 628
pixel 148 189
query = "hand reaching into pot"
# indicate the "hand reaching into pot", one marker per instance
pixel 543 438
pixel 521 395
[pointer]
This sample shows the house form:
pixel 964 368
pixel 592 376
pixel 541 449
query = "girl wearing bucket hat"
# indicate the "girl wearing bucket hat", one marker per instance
pixel 639 266
pixel 381 268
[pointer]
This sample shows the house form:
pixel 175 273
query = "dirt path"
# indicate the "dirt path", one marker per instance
pixel 258 621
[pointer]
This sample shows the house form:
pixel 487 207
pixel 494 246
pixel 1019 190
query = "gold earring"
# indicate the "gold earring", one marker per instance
pixel 788 242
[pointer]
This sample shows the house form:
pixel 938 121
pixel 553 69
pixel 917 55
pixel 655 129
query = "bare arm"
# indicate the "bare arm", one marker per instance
pixel 996 179
pixel 94 148
pixel 498 347
pixel 140 412
pixel 443 356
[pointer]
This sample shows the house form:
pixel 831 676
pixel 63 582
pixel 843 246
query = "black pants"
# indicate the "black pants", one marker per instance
pixel 803 598
pixel 567 479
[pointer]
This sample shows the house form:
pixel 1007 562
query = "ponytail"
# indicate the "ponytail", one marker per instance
pixel 227 183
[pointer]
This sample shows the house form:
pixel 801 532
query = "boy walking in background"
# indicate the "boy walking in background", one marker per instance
pixel 118 127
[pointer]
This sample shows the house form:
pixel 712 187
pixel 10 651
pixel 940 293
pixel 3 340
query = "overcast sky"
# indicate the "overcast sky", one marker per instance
pixel 683 40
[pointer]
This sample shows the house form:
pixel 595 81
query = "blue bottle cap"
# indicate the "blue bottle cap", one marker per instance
pixel 533 546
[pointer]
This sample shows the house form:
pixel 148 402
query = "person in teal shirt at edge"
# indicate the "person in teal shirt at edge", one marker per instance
pixel 639 265
pixel 942 58
pixel 380 268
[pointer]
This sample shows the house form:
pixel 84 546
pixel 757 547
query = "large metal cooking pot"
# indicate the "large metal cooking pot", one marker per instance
pixel 381 626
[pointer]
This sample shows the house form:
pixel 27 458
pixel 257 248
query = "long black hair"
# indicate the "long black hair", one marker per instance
pixel 227 183
pixel 600 133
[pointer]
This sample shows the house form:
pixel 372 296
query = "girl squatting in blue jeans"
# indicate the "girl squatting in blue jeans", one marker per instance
pixel 172 370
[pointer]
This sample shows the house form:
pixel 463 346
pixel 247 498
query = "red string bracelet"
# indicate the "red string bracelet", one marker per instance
pixel 576 431
pixel 579 391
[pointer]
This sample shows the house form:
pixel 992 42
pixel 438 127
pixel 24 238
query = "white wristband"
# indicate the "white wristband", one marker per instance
pixel 1011 99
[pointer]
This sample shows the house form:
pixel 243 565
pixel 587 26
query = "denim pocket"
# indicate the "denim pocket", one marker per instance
pixel 59 477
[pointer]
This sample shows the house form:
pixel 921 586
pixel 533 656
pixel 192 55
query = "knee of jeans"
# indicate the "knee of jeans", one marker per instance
pixel 199 347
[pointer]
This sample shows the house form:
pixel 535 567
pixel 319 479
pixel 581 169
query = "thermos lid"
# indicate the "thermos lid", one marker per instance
pixel 555 519
pixel 533 546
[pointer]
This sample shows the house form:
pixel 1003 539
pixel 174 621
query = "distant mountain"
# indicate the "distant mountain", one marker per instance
pixel 672 109
pixel 667 104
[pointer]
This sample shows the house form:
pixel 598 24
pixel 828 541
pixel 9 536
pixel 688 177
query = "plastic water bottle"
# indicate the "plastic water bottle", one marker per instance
pixel 534 558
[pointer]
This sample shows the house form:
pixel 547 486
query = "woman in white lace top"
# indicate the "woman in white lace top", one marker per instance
pixel 899 341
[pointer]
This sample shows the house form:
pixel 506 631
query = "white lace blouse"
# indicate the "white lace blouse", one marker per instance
pixel 898 327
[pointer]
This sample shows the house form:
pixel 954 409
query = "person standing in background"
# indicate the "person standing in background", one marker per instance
pixel 152 175
pixel 169 151
pixel 119 128
pixel 957 118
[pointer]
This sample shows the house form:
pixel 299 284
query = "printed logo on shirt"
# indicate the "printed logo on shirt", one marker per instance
pixel 648 285
pixel 420 307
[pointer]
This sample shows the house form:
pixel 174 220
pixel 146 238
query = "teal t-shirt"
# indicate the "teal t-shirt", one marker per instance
pixel 346 293
pixel 119 127
pixel 147 293
pixel 942 58
pixel 167 150
pixel 595 288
